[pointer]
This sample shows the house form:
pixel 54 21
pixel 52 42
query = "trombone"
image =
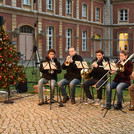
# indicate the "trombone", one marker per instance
pixel 105 76
pixel 121 68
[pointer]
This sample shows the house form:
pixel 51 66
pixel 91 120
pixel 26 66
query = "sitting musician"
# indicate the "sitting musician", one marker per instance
pixel 131 94
pixel 48 75
pixel 97 73
pixel 72 77
pixel 120 82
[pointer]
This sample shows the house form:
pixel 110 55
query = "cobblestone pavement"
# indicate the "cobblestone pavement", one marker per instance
pixel 24 116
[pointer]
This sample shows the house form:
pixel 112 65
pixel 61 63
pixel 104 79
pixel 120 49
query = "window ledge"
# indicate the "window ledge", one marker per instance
pixel 123 21
pixel 84 17
pixel 68 13
pixel 26 4
pixel 51 10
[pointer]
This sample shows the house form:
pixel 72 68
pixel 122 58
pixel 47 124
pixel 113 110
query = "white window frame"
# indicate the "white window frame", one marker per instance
pixel 123 14
pixel 123 41
pixel 26 2
pixel 84 10
pixel 68 6
pixel 84 40
pixel 68 38
pixel 97 14
pixel 49 4
pixel 50 31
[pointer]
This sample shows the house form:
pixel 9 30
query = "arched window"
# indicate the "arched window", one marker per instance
pixel 50 32
pixel 26 29
pixel 84 10
pixel 68 38
pixel 68 6
pixel 84 40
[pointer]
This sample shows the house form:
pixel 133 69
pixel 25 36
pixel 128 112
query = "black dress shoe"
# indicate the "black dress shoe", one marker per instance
pixel 118 107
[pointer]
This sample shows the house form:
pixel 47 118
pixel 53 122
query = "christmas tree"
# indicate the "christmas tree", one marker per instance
pixel 10 72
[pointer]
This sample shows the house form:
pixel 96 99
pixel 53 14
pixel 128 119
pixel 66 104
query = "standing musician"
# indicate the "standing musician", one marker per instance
pixel 97 73
pixel 48 75
pixel 72 76
pixel 120 82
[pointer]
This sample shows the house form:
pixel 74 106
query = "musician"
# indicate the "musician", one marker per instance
pixel 72 76
pixel 120 82
pixel 48 75
pixel 97 73
pixel 131 94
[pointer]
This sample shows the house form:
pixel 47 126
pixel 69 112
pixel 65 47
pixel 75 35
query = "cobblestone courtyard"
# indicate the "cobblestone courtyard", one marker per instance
pixel 24 116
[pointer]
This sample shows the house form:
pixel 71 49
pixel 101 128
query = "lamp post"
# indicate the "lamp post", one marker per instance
pixel 41 34
pixel 16 32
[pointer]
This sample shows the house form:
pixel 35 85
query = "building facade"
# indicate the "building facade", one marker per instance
pixel 87 25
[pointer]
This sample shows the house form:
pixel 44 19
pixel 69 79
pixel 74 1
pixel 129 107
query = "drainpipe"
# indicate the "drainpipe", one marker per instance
pixel 104 12
pixel 111 29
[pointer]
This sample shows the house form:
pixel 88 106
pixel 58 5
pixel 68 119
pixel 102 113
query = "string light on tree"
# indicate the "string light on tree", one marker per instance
pixel 10 72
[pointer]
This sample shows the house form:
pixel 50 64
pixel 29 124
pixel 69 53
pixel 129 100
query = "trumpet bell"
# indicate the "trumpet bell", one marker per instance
pixel 85 73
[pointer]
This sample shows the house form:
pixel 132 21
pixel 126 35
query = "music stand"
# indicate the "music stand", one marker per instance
pixel 51 66
pixel 110 66
pixel 81 65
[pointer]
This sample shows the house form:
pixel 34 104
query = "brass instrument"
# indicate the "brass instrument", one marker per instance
pixel 121 68
pixel 67 63
pixel 86 72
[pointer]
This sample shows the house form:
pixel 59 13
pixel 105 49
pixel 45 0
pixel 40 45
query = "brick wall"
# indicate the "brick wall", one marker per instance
pixel 8 2
pixel 18 3
pixel 123 6
pixel 57 7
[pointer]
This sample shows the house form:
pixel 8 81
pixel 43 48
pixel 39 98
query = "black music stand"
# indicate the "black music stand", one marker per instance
pixel 110 66
pixel 82 65
pixel 50 66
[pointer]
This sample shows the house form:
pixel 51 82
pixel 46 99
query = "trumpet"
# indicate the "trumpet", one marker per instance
pixel 67 62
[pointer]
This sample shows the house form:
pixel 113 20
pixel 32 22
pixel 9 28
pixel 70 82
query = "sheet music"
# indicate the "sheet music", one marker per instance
pixel 79 64
pixel 47 67
pixel 112 64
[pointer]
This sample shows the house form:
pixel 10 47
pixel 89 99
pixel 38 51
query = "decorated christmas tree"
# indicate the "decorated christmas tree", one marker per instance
pixel 10 72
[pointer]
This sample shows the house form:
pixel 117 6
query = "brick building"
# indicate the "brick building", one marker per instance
pixel 85 24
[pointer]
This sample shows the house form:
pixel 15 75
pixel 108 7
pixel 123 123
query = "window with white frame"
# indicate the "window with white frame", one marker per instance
pixel 49 4
pixel 97 14
pixel 84 40
pixel 123 15
pixel 68 38
pixel 123 41
pixel 84 10
pixel 68 6
pixel 26 2
pixel 49 37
